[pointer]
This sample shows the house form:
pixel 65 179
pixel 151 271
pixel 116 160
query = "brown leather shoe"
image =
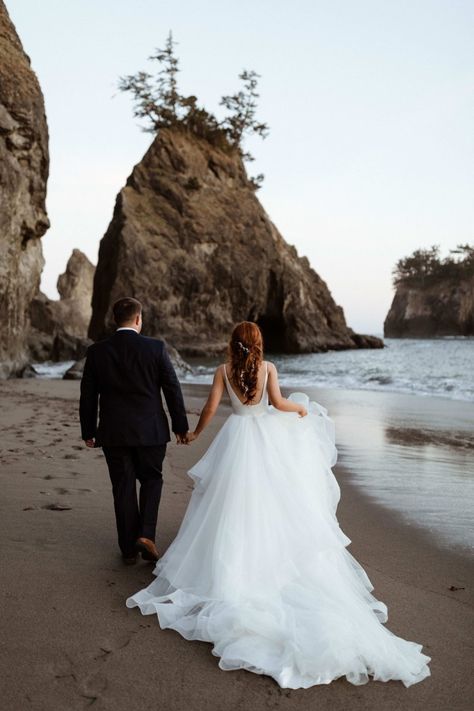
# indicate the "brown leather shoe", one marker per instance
pixel 147 548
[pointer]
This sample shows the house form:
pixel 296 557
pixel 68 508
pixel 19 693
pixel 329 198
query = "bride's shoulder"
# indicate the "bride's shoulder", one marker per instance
pixel 270 366
pixel 220 370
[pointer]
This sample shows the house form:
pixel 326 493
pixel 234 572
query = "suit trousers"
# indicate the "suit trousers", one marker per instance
pixel 135 518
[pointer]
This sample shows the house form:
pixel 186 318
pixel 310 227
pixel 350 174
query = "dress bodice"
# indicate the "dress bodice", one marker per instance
pixel 239 408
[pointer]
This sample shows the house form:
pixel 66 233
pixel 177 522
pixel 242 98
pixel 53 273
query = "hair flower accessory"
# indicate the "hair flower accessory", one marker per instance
pixel 242 347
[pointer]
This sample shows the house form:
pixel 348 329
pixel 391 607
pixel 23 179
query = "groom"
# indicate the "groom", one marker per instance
pixel 126 374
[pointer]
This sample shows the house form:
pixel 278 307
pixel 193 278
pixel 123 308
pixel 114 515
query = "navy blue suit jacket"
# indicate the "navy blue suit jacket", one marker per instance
pixel 123 379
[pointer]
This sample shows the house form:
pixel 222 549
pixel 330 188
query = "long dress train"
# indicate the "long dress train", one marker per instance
pixel 260 567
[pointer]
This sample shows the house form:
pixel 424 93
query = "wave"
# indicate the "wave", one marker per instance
pixel 440 368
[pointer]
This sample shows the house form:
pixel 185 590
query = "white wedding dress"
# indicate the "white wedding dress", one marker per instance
pixel 260 567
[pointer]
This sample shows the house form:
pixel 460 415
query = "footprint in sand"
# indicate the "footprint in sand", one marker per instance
pixel 94 686
pixel 70 456
pixel 118 641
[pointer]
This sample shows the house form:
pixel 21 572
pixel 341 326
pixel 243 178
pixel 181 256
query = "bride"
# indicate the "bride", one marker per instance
pixel 260 567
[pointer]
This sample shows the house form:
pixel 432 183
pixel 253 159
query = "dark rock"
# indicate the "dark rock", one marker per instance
pixel 27 372
pixel 180 365
pixel 39 345
pixel 75 371
pixel 445 308
pixel 24 167
pixel 59 327
pixel 66 347
pixel 367 341
pixel 189 239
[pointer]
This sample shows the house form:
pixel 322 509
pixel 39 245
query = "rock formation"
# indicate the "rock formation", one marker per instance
pixel 59 328
pixel 75 290
pixel 444 308
pixel 24 166
pixel 189 239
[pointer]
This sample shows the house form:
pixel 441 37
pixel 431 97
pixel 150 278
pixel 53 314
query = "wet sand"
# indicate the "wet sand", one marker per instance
pixel 67 640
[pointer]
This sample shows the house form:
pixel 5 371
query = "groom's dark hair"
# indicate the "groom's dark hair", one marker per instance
pixel 126 309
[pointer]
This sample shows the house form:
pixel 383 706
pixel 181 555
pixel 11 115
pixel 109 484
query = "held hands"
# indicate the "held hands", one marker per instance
pixel 185 438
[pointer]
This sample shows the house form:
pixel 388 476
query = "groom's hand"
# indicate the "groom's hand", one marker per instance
pixel 181 438
pixel 90 442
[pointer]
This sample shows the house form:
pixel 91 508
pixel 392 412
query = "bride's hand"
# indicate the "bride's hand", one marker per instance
pixel 302 411
pixel 191 437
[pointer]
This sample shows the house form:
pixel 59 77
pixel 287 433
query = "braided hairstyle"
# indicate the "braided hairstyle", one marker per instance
pixel 245 355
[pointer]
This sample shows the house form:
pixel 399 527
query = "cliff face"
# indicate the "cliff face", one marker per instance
pixel 59 328
pixel 442 309
pixel 191 241
pixel 24 165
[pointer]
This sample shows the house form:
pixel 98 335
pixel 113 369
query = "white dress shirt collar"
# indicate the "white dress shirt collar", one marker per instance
pixel 126 328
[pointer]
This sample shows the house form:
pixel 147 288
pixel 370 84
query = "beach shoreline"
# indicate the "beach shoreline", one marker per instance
pixel 68 640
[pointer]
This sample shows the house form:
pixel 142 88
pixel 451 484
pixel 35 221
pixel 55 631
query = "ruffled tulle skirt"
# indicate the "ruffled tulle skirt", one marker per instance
pixel 260 567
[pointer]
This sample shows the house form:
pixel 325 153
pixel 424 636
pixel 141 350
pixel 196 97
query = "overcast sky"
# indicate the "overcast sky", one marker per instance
pixel 369 102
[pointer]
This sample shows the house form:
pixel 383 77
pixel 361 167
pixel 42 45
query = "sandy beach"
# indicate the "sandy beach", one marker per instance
pixel 68 641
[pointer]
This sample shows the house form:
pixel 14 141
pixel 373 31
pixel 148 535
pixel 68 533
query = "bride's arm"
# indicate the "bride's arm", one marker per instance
pixel 277 399
pixel 212 403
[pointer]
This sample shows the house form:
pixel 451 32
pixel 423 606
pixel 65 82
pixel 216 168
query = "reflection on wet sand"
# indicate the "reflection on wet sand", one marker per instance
pixel 412 454
pixel 409 437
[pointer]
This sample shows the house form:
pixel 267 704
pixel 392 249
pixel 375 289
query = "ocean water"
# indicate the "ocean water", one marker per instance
pixel 441 367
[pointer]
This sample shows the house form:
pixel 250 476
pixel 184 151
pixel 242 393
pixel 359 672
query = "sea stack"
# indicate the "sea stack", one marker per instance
pixel 434 297
pixel 59 327
pixel 445 309
pixel 190 239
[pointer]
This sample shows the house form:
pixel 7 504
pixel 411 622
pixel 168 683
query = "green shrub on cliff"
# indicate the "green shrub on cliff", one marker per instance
pixel 425 267
pixel 158 101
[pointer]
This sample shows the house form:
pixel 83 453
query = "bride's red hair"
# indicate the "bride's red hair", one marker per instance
pixel 245 356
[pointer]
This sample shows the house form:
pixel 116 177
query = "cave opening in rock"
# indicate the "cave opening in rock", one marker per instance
pixel 273 331
pixel 271 321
